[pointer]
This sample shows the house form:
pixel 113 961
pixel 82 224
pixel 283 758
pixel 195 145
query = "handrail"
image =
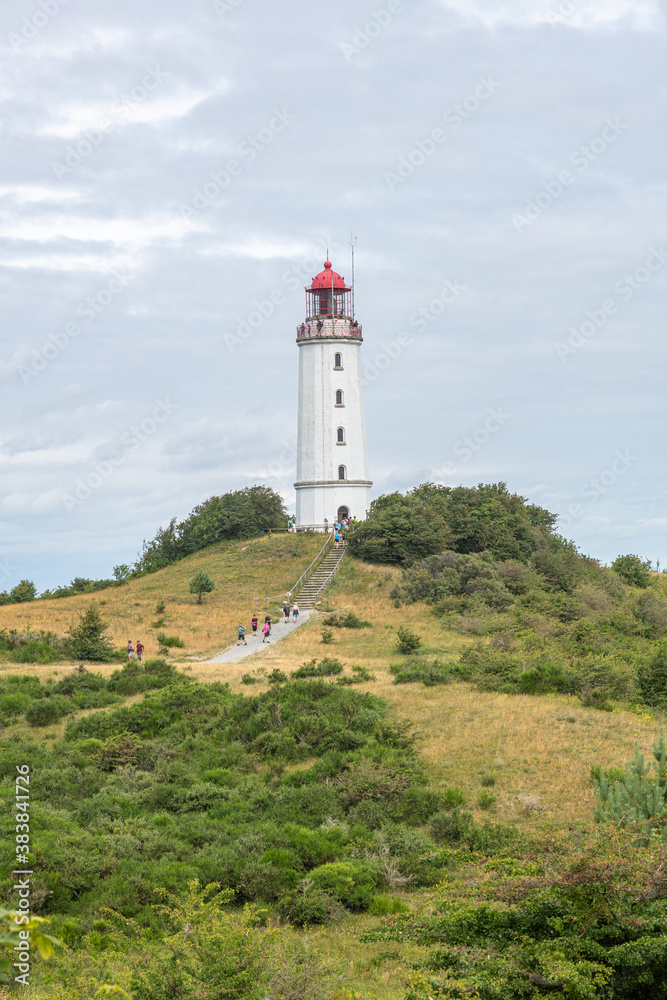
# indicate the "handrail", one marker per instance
pixel 324 585
pixel 305 573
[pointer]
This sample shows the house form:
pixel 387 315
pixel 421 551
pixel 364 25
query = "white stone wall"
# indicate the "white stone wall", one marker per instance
pixel 319 492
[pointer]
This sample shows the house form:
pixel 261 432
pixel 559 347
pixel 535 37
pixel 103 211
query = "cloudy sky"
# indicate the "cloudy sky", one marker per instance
pixel 172 175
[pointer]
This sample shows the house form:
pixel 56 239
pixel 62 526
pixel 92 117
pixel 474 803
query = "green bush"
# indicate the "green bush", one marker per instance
pixel 633 569
pixel 86 640
pixel 652 678
pixel 169 642
pixel 328 667
pixel 310 906
pixel 416 670
pixel 347 619
pixel 407 640
pixel 351 883
pixel 37 651
pixel 46 711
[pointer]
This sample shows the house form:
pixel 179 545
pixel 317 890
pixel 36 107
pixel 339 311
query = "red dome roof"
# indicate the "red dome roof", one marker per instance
pixel 327 278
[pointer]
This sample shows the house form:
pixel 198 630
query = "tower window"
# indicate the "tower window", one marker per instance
pixel 339 397
pixel 338 360
pixel 342 474
pixel 340 436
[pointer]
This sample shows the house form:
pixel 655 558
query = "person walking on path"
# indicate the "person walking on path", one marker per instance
pixel 253 622
pixel 295 611
pixel 326 525
pixel 140 650
pixel 266 629
pixel 337 538
pixel 130 650
pixel 241 630
pixel 286 611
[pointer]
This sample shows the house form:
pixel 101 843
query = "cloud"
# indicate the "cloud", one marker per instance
pixel 643 15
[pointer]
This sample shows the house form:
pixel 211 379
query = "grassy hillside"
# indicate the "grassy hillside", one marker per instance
pixel 242 571
pixel 270 797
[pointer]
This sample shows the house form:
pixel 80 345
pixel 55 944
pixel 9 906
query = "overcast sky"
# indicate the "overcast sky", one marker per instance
pixel 172 175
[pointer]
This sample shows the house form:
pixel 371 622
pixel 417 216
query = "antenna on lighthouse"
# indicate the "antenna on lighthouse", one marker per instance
pixel 353 240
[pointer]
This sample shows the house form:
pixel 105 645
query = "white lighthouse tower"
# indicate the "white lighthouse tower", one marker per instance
pixel 332 456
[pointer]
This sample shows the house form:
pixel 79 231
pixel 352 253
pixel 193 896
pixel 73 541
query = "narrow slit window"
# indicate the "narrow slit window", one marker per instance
pixel 338 360
pixel 340 435
pixel 339 397
pixel 341 472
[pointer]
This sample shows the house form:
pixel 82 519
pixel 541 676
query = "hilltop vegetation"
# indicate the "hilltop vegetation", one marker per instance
pixel 449 796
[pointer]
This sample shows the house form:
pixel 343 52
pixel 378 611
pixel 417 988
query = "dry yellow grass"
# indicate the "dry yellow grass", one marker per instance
pixel 538 749
pixel 242 571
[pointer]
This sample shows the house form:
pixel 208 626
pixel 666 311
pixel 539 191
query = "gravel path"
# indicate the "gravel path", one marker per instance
pixel 255 645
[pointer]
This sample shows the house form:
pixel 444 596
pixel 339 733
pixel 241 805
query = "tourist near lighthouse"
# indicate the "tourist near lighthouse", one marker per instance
pixel 332 475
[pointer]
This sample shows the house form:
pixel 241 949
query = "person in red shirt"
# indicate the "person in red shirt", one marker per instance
pixel 140 651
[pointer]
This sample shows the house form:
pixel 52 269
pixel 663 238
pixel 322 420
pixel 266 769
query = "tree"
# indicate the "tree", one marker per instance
pixel 201 584
pixel 87 640
pixel 633 569
pixel 430 519
pixel 23 591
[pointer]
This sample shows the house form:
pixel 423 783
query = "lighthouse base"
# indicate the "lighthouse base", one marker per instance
pixel 332 500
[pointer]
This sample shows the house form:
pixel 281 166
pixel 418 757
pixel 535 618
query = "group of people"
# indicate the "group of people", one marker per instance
pixel 131 650
pixel 266 627
pixel 338 528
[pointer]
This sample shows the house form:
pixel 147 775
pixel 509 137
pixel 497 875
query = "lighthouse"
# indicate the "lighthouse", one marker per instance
pixel 332 456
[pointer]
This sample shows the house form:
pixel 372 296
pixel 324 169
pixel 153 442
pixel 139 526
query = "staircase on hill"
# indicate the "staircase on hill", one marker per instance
pixel 316 583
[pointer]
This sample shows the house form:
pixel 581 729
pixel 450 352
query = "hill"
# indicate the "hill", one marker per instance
pixel 241 570
pixel 338 779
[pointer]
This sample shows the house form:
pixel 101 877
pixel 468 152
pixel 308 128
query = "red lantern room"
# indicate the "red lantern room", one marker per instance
pixel 328 295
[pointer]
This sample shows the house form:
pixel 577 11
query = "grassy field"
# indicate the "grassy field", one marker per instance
pixel 534 753
pixel 242 572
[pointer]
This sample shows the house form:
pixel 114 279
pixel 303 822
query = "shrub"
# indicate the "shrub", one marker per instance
pixel 37 651
pixel 486 800
pixel 309 905
pixel 327 636
pixel 408 641
pixel 428 672
pixel 327 667
pixel 86 640
pixel 200 584
pixel 351 883
pixel 249 679
pixel 633 569
pixel 168 642
pixel 346 620
pixel 652 678
pixel 277 677
pixel 46 711
pixel 22 592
